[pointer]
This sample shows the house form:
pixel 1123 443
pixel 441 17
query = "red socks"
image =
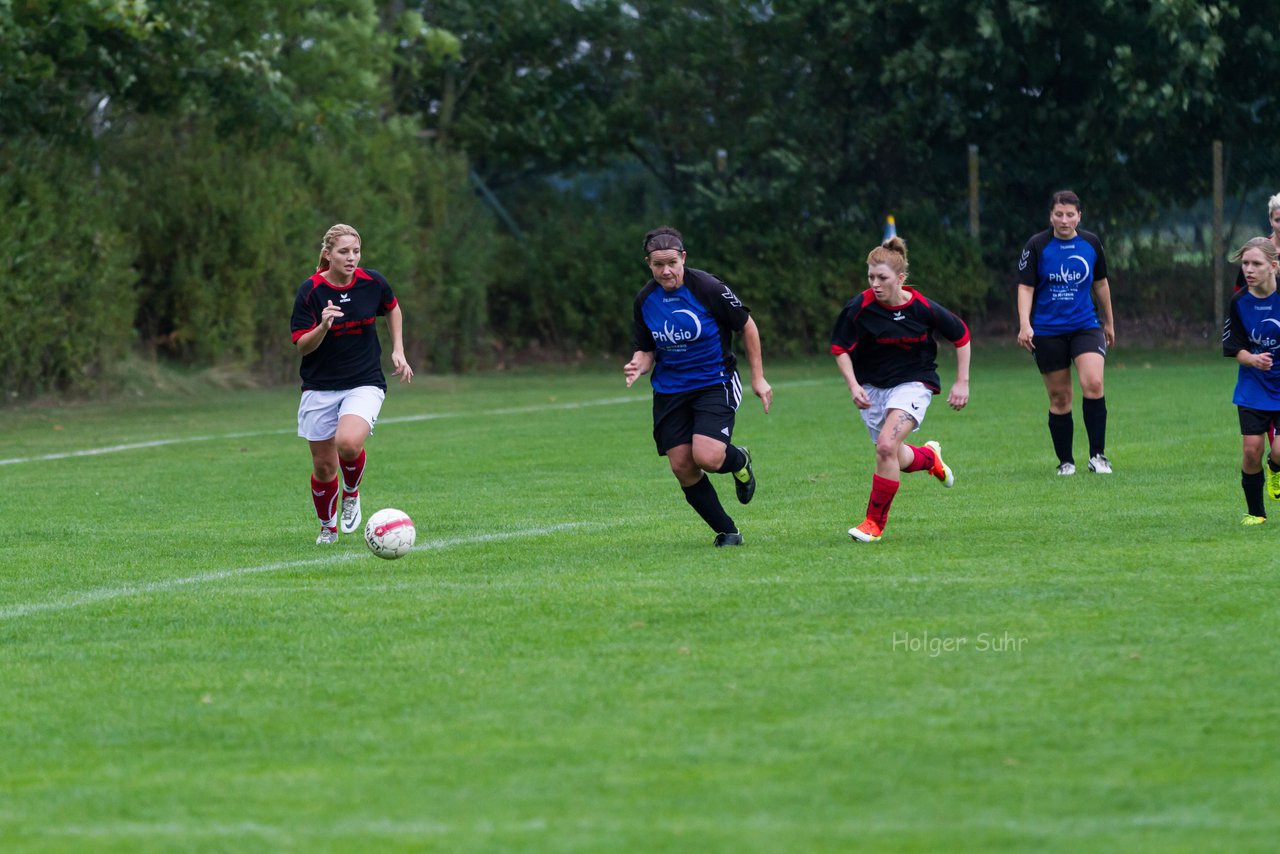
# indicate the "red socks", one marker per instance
pixel 924 459
pixel 882 492
pixel 352 472
pixel 325 496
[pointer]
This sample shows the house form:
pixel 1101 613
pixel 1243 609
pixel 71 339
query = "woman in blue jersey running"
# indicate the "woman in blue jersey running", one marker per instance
pixel 1064 317
pixel 1251 335
pixel 683 324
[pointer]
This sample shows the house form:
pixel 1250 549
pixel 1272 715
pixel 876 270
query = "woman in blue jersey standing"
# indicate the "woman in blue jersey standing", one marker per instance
pixel 1064 317
pixel 684 320
pixel 342 381
pixel 1251 336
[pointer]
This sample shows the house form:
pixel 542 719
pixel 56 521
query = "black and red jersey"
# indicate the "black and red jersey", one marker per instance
pixel 892 345
pixel 350 354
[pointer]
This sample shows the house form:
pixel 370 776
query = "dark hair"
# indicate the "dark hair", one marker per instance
pixel 892 252
pixel 663 237
pixel 1065 197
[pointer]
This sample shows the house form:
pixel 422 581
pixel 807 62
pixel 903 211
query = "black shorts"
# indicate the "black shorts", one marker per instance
pixel 1056 352
pixel 705 411
pixel 1257 422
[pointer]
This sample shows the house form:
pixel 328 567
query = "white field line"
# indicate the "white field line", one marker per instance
pixel 124 591
pixel 402 419
pixel 430 416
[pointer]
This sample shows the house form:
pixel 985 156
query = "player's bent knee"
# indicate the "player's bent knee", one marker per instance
pixel 709 462
pixel 349 450
pixel 687 475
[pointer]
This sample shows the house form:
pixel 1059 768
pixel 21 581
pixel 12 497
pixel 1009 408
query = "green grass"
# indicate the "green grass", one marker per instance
pixel 566 664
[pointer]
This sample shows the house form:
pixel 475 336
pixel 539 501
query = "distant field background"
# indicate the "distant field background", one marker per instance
pixel 565 663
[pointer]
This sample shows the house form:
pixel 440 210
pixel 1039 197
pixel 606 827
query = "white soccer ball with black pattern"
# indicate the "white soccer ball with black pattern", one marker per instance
pixel 390 533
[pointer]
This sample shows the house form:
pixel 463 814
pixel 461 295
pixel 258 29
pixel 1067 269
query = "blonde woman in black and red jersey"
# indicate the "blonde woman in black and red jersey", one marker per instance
pixel 884 346
pixel 342 381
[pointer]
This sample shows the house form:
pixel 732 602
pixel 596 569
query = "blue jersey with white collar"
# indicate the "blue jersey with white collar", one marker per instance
pixel 1253 324
pixel 689 331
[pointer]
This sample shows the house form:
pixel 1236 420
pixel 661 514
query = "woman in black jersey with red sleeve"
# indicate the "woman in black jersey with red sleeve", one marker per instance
pixel 342 381
pixel 884 346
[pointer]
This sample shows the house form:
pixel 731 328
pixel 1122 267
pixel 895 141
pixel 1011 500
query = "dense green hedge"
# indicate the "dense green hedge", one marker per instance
pixel 569 287
pixel 69 299
pixel 191 249
pixel 227 231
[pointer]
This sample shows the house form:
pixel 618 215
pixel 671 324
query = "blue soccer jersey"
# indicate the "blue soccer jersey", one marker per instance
pixel 1062 273
pixel 1253 324
pixel 689 331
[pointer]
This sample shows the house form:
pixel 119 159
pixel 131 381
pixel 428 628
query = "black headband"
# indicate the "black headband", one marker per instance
pixel 652 243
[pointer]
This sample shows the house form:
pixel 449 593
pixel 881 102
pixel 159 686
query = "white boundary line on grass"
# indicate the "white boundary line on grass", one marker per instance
pixel 430 416
pixel 124 591
pixel 400 419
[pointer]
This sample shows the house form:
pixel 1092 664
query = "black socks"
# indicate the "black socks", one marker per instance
pixel 1095 424
pixel 1062 428
pixel 734 460
pixel 1252 485
pixel 702 498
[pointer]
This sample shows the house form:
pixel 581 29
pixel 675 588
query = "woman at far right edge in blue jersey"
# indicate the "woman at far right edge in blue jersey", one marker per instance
pixel 1251 335
pixel 1061 275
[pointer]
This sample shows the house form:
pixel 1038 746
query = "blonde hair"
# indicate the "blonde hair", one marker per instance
pixel 1263 244
pixel 892 252
pixel 1273 203
pixel 331 237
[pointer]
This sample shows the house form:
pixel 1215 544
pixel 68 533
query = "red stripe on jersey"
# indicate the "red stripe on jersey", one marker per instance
pixel 319 279
pixel 299 333
pixel 910 292
pixel 963 339
pixel 868 297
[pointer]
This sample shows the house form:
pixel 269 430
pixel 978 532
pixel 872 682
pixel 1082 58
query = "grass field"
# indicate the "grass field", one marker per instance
pixel 564 663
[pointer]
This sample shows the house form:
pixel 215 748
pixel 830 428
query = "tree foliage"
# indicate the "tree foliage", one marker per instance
pixel 776 135
pixel 832 111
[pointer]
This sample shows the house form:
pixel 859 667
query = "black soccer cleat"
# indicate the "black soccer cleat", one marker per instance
pixel 733 539
pixel 745 488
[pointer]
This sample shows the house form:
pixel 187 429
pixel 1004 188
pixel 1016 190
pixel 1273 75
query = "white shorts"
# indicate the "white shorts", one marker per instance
pixel 911 398
pixel 319 411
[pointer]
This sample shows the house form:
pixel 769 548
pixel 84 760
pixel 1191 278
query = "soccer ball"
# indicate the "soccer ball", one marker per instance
pixel 389 533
